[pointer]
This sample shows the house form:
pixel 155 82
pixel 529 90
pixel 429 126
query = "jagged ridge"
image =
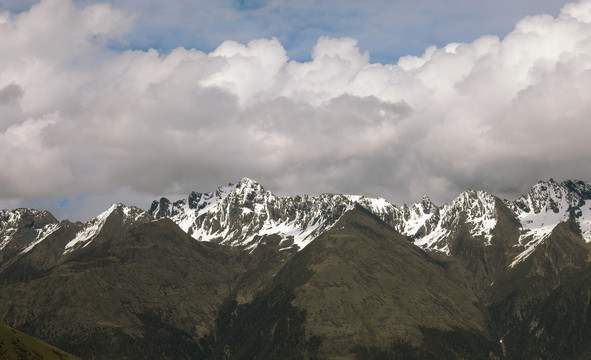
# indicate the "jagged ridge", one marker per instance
pixel 244 213
pixel 241 214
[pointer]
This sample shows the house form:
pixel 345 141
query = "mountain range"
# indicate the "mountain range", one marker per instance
pixel 241 273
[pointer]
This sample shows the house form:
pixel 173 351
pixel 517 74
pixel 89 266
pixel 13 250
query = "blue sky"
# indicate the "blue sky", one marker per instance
pixel 391 99
pixel 387 29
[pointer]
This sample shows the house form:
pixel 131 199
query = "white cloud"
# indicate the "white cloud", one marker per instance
pixel 580 11
pixel 249 69
pixel 83 119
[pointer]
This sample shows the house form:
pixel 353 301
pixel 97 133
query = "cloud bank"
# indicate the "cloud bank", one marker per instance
pixel 83 121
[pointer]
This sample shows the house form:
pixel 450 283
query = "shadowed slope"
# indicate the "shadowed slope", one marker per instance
pixel 541 306
pixel 559 327
pixel 151 293
pixel 359 285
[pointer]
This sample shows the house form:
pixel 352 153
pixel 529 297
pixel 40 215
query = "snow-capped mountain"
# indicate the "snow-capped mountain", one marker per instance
pixel 430 226
pixel 546 205
pixel 127 269
pixel 116 220
pixel 241 214
pixel 538 212
pixel 23 230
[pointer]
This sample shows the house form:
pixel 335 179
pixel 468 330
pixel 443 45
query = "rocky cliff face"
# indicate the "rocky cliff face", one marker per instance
pixel 240 214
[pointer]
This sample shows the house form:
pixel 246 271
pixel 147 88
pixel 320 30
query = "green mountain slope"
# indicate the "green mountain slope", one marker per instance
pixel 15 345
pixel 514 294
pixel 153 293
pixel 360 287
pixel 146 289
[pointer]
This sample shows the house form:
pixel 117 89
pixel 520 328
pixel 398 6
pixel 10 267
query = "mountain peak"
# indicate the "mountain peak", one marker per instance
pixel 546 205
pixel 476 203
pixel 122 209
pixel 243 213
pixel 248 181
pixel 549 196
pixel 121 217
pixel 160 208
pixel 242 186
pixel 22 227
pixel 473 194
pixel 427 204
pixel 248 185
pixel 24 214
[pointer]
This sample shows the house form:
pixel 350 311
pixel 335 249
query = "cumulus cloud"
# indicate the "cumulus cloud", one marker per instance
pixel 82 121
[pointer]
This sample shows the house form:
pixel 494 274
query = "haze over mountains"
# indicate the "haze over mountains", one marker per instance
pixel 243 273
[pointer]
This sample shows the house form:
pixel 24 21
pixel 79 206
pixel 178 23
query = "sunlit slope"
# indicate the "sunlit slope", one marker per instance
pixel 15 345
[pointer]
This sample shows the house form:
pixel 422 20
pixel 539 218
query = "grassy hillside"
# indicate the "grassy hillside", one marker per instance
pixel 15 345
pixel 516 294
pixel 153 293
pixel 360 288
pixel 359 291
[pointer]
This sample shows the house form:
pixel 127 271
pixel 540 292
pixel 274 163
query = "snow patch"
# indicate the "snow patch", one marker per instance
pixel 416 220
pixel 7 238
pixel 42 235
pixel 546 205
pixel 585 221
pixel 91 229
pixel 238 214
